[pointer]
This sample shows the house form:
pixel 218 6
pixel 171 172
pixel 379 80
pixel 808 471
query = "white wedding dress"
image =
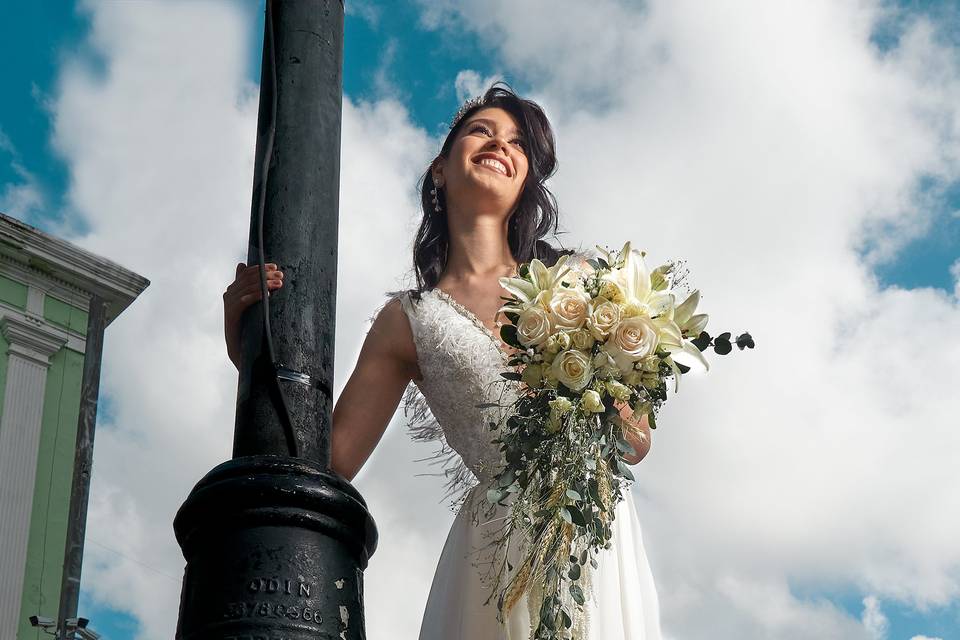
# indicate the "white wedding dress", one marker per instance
pixel 460 360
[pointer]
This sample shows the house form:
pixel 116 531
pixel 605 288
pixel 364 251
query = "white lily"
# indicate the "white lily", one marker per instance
pixel 538 286
pixel 676 373
pixel 690 349
pixel 691 324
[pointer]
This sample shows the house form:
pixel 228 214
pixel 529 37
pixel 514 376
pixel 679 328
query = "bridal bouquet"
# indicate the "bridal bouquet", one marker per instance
pixel 595 341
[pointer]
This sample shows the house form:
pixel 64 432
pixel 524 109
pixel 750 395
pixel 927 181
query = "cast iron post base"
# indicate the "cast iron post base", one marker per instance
pixel 275 550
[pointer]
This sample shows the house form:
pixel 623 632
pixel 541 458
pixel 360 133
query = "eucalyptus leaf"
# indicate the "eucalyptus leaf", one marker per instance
pixel 508 333
pixel 577 594
pixel 576 515
pixel 624 470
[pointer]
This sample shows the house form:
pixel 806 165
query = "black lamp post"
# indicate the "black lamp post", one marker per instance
pixel 276 543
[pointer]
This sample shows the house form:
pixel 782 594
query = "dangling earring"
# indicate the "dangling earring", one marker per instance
pixel 436 200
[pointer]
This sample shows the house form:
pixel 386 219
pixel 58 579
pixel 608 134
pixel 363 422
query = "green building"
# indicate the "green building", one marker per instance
pixel 55 300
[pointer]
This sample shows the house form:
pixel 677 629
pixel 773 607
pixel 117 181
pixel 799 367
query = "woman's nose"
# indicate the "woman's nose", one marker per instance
pixel 497 142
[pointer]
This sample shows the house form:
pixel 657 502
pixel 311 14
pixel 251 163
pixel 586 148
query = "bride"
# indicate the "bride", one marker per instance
pixel 485 210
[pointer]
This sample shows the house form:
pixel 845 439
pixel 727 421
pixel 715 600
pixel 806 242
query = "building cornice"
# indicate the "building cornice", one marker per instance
pixel 68 266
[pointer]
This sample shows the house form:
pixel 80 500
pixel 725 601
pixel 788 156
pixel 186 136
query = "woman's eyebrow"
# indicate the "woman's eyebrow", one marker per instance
pixel 491 122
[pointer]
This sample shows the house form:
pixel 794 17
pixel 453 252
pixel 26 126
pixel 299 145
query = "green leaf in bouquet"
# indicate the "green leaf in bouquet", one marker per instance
pixel 573 495
pixel 594 489
pixel 702 341
pixel 624 470
pixel 494 495
pixel 574 573
pixel 593 262
pixel 510 375
pixel 683 368
pixel 565 514
pixel 745 341
pixel 577 593
pixel 524 270
pixel 590 462
pixel 583 557
pixel 546 613
pixel 512 316
pixel 576 515
pixel 507 477
pixel 625 447
pixel 603 263
pixel 567 622
pixel 722 346
pixel 508 333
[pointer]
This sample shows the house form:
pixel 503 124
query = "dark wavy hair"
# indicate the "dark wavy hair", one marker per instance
pixel 536 213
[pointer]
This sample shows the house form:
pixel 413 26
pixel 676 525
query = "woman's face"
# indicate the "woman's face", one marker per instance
pixel 487 162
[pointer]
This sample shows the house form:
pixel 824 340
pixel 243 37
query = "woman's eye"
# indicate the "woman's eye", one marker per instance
pixel 480 127
pixel 520 143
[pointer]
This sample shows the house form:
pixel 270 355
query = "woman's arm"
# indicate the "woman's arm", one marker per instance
pixel 637 434
pixel 386 364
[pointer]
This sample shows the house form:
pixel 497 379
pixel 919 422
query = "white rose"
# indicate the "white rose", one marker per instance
pixel 582 339
pixel 618 390
pixel 569 308
pixel 604 315
pixel 561 405
pixel 572 368
pixel 605 365
pixel 590 401
pixel 533 327
pixel 631 340
pixel 557 343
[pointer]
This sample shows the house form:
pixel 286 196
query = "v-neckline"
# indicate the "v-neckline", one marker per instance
pixel 472 317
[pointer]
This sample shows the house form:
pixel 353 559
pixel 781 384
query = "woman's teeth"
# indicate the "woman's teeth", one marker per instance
pixel 494 164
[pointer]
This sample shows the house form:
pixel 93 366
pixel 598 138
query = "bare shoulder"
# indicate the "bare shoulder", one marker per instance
pixel 391 336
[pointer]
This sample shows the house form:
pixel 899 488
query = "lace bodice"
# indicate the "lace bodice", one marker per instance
pixel 461 392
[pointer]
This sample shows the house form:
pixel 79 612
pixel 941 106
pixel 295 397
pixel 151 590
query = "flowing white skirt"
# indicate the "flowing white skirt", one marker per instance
pixel 621 605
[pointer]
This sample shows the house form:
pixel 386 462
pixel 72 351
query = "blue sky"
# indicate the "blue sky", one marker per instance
pixel 393 54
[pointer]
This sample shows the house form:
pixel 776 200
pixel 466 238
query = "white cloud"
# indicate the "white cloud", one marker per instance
pixel 757 141
pixel 470 83
pixel 368 11
pixel 768 143
pixel 924 638
pixel 874 621
pixel 23 199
